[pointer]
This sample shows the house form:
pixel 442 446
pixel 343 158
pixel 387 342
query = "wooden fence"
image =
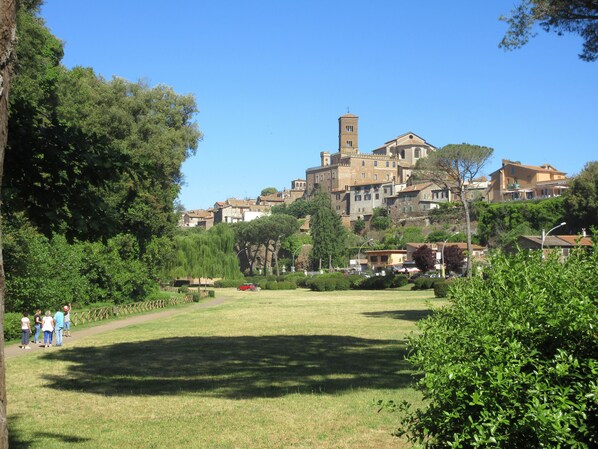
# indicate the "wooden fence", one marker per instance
pixel 103 313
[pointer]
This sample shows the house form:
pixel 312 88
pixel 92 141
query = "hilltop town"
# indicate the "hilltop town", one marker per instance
pixel 360 182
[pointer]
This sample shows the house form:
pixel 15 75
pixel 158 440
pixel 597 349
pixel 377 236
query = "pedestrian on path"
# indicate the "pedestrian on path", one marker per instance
pixel 25 331
pixel 48 328
pixel 37 324
pixel 67 320
pixel 58 326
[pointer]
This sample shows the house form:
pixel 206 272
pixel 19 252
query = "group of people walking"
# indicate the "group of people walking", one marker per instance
pixel 58 325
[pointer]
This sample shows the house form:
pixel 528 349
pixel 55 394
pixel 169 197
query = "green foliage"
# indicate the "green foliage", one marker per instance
pixel 513 361
pixel 426 283
pixel 358 225
pixel 280 285
pixel 196 296
pixel 268 191
pixel 329 282
pixel 89 158
pixel 383 282
pixel 211 294
pixel 328 234
pixel 397 238
pixel 299 209
pixel 499 224
pixel 441 288
pixel 380 219
pixel 12 325
pixel 581 199
pixel 228 283
pixel 560 16
pixel 205 254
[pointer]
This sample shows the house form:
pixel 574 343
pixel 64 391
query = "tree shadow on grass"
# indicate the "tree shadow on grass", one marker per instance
pixel 16 441
pixel 408 315
pixel 235 367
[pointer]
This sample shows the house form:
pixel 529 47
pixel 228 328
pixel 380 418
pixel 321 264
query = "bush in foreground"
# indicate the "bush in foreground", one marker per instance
pixel 513 361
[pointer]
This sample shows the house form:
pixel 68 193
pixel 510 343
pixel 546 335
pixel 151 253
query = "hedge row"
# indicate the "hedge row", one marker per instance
pixel 282 285
pixel 383 282
pixel 424 283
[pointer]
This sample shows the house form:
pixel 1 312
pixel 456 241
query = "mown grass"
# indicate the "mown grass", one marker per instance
pixel 269 369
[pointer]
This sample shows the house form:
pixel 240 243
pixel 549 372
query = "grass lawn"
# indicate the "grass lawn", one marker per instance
pixel 270 369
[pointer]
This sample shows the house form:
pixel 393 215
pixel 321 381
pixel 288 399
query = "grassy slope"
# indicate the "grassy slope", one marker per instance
pixel 272 370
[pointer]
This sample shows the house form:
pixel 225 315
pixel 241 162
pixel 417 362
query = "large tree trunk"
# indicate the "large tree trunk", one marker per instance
pixel 463 197
pixel 8 37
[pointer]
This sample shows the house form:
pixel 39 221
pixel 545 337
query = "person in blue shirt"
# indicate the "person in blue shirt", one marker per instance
pixel 58 326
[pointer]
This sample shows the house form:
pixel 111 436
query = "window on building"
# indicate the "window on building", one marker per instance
pixel 363 163
pixel 349 143
pixel 349 128
pixel 377 196
pixel 367 197
pixel 357 197
pixel 383 258
pixel 373 259
pixel 387 163
pixel 417 153
pixel 375 163
pixel 363 176
pixel 394 165
pixel 375 176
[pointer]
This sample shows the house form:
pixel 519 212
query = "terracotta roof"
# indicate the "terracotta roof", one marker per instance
pixel 415 188
pixel 573 240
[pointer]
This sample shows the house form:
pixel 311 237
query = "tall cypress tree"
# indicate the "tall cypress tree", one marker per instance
pixel 328 234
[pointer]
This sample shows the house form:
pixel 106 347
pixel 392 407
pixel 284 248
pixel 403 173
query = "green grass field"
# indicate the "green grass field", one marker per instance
pixel 269 369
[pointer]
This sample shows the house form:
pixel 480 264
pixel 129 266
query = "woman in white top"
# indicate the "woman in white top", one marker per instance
pixel 25 331
pixel 48 328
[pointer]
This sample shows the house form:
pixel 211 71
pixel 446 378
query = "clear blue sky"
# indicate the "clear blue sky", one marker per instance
pixel 271 78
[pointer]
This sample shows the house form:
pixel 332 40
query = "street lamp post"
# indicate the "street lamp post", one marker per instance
pixel 545 234
pixel 442 269
pixel 359 252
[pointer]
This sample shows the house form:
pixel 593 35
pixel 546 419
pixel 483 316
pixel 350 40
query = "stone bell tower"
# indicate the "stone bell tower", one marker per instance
pixel 347 134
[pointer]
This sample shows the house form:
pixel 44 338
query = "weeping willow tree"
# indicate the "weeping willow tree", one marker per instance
pixel 206 254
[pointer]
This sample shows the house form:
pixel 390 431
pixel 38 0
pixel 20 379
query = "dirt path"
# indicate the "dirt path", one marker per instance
pixel 14 350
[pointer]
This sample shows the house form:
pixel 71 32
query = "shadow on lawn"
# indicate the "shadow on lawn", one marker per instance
pixel 235 367
pixel 15 441
pixel 408 315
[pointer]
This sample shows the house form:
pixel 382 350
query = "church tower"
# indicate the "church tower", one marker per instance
pixel 347 134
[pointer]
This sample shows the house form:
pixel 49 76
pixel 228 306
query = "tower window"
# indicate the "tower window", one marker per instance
pixel 349 143
pixel 375 163
pixel 349 128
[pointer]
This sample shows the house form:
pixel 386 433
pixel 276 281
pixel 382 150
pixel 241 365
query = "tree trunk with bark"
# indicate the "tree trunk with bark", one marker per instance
pixel 8 38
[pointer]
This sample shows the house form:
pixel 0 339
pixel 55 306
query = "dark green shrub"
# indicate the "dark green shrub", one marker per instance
pixel 228 283
pixel 283 285
pixel 399 280
pixel 211 294
pixel 196 296
pixel 441 289
pixel 513 361
pixel 12 325
pixel 329 282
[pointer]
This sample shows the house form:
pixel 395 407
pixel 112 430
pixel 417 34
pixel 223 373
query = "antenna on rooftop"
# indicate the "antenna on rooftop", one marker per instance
pixel 348 110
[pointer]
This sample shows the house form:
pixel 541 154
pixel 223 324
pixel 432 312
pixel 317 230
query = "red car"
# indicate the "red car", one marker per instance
pixel 245 287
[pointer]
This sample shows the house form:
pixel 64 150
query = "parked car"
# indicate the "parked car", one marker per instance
pixel 247 287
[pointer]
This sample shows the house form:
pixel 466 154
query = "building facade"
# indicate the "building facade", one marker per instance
pixel 515 181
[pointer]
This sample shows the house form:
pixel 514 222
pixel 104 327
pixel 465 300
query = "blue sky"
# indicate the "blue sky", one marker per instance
pixel 272 77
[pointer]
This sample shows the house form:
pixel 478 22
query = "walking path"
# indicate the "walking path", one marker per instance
pixel 14 350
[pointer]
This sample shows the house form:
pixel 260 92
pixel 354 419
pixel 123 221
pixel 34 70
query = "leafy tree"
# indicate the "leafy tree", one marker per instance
pixel 508 364
pixel 358 226
pixel 380 219
pixel 268 191
pixel 424 258
pixel 454 258
pixel 455 167
pixel 581 199
pixel 300 208
pixel 561 16
pixel 328 233
pixel 500 224
pixel 398 238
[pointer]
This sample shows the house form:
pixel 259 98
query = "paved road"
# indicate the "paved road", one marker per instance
pixel 14 350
